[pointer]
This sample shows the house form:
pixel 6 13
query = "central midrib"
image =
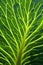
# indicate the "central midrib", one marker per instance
pixel 20 53
pixel 19 58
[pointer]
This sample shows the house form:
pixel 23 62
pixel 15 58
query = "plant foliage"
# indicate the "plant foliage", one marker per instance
pixel 21 32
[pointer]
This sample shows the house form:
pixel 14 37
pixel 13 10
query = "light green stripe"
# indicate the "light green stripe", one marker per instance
pixel 26 62
pixel 8 44
pixel 8 55
pixel 32 49
pixel 1 63
pixel 35 16
pixel 11 31
pixel 30 56
pixel 32 42
pixel 16 21
pixel 36 30
pixel 22 14
pixel 5 60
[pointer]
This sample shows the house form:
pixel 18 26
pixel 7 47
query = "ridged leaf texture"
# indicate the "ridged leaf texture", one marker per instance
pixel 21 32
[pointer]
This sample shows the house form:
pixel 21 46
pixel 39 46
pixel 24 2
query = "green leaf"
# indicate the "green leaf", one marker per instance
pixel 21 32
